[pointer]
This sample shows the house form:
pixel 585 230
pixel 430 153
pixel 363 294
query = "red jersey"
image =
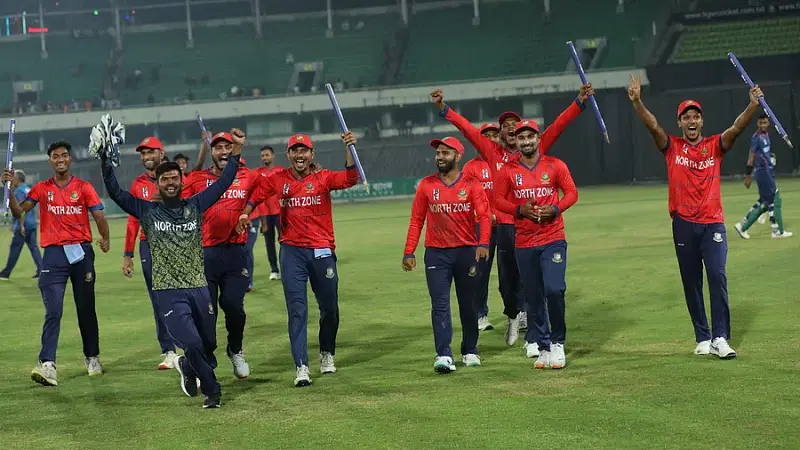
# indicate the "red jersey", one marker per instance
pixel 305 204
pixel 64 212
pixel 518 184
pixel 219 221
pixel 497 155
pixel 270 206
pixel 479 169
pixel 693 172
pixel 450 211
pixel 143 187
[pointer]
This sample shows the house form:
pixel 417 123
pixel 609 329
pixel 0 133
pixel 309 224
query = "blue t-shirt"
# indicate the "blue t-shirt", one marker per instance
pixel 760 146
pixel 21 193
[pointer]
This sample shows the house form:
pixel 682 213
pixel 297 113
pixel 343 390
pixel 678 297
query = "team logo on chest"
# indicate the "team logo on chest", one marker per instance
pixel 485 173
pixel 518 179
pixel 74 196
pixel 704 152
pixel 310 188
pixel 435 195
pixel 285 188
pixel 462 194
pixel 545 178
pixel 50 196
pixel 209 182
pixel 186 213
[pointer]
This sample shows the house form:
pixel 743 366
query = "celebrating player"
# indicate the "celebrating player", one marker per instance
pixel 151 152
pixel 267 214
pixel 528 189
pixel 479 169
pixel 450 203
pixel 228 261
pixel 496 155
pixel 695 205
pixel 66 237
pixel 307 245
pixel 760 164
pixel 174 228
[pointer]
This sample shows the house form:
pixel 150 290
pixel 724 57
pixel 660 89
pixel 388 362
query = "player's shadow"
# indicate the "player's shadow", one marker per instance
pixel 130 363
pixel 743 315
pixel 592 326
pixel 379 340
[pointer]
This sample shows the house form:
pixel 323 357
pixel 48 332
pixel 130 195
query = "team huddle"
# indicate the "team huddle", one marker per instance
pixel 198 231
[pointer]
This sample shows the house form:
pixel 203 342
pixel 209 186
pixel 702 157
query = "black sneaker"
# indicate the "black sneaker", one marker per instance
pixel 212 401
pixel 188 383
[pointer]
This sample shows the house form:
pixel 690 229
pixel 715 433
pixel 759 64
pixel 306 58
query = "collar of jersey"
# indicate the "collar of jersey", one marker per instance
pixel 53 180
pixel 458 178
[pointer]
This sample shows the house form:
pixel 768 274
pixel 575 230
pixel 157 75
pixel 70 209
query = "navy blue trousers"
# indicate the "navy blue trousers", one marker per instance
pixel 299 266
pixel 442 267
pixel 56 271
pixel 272 233
pixel 228 277
pixel 191 319
pixel 507 270
pixel 545 269
pixel 765 181
pixel 17 243
pixel 484 273
pixel 695 245
pixel 161 328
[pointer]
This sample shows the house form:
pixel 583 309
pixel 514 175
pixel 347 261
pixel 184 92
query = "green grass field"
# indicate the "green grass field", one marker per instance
pixel 631 380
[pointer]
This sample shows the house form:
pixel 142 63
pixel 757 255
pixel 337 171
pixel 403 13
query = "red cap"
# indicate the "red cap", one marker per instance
pixel 686 104
pixel 508 115
pixel 300 139
pixel 449 141
pixel 221 136
pixel 527 124
pixel 489 126
pixel 150 142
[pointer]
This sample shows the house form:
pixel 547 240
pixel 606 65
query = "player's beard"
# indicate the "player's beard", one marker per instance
pixel 529 151
pixel 151 164
pixel 446 166
pixel 167 195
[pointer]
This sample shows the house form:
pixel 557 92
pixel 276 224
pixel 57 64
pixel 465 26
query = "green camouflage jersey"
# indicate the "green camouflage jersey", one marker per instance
pixel 174 232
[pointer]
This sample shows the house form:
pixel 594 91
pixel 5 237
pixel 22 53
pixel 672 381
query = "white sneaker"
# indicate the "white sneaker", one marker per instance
pixel 558 360
pixel 484 324
pixel 531 349
pixel 762 219
pixel 703 348
pixel 512 330
pixel 720 347
pixel 779 235
pixel 302 377
pixel 240 367
pixel 471 360
pixel 274 276
pixel 444 364
pixel 523 320
pixel 326 363
pixel 543 361
pixel 742 234
pixel 168 362
pixel 45 373
pixel 93 366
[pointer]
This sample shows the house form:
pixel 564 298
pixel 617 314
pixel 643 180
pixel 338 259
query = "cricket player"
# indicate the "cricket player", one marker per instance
pixel 496 155
pixel 174 227
pixel 268 213
pixel 308 250
pixel 183 162
pixel 479 169
pixel 760 163
pixel 65 203
pixel 528 188
pixel 227 259
pixel 24 230
pixel 450 202
pixel 151 153
pixel 695 206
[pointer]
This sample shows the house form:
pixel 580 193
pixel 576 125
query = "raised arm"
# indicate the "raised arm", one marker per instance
pixel 554 130
pixel 343 179
pixel 489 150
pixel 729 136
pixel 17 208
pixel 201 157
pixel 635 95
pixel 135 207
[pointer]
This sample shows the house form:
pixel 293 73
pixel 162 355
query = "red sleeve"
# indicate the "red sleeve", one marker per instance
pixel 34 193
pixel 418 211
pixel 262 191
pixel 567 186
pixel 130 235
pixel 488 149
pixel 342 179
pixel 91 199
pixel 483 212
pixel 188 186
pixel 557 127
pixel 502 189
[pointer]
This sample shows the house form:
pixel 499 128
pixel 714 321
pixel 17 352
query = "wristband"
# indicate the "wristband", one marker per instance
pixel 748 170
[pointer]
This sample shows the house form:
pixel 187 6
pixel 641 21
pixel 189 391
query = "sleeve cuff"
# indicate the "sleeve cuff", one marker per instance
pixel 486 246
pixel 128 254
pixel 98 207
pixel 557 210
pixel 250 204
pixel 581 105
pixel 519 211
pixel 350 167
pixel 28 199
pixel 444 112
pixel 666 147
pixel 409 255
